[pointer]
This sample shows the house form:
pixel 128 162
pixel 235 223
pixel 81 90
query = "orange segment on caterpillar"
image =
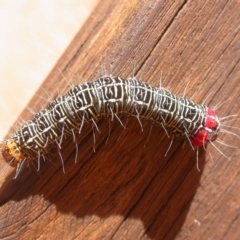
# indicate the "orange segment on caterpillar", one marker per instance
pixel 12 153
pixel 109 97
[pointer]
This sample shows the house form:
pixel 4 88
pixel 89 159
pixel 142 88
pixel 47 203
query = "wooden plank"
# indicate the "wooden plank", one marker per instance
pixel 125 190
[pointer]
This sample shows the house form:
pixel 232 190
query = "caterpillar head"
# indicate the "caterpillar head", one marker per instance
pixel 12 153
pixel 209 131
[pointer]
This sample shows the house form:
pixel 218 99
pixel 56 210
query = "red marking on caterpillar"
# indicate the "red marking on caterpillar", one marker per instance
pixel 205 135
pixel 109 97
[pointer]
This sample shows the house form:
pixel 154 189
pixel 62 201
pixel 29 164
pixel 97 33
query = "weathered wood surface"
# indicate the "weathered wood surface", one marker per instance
pixel 125 190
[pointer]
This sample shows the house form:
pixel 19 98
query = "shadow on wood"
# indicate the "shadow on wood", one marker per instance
pixel 124 181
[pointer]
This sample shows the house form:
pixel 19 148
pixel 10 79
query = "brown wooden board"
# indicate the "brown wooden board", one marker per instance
pixel 125 190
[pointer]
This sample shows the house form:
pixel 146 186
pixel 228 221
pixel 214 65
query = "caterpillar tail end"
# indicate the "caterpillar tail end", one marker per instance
pixel 209 131
pixel 12 153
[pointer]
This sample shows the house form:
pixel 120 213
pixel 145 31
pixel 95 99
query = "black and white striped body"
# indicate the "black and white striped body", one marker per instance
pixel 89 102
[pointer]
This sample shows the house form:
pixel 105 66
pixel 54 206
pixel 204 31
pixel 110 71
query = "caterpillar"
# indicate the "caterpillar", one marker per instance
pixel 109 97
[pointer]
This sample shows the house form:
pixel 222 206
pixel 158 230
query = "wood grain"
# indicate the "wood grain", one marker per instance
pixel 125 190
